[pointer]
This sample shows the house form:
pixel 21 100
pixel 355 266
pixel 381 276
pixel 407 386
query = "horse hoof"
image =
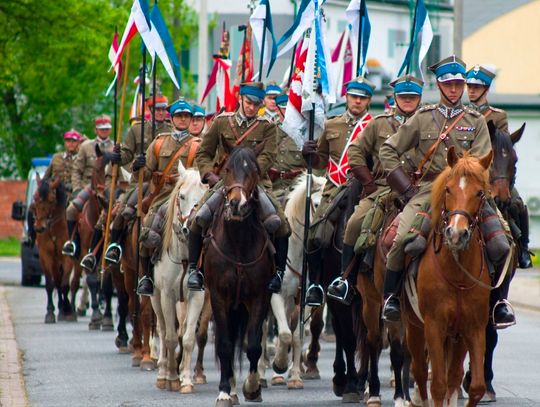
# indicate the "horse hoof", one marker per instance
pixel 107 324
pixel 121 344
pixel 61 316
pixel 278 369
pixel 147 365
pixel 136 361
pixel 81 312
pixel 235 400
pixel 174 385
pixel 263 383
pixel 295 384
pixel 186 389
pixel 353 398
pixel 50 318
pixel 200 379
pixel 71 317
pixel 374 401
pixel 94 326
pixel 224 403
pixel 311 374
pixel 161 384
pixel 338 389
pixel 252 396
pixel 278 381
pixel 399 402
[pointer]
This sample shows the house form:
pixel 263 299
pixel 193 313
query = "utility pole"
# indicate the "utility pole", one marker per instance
pixel 203 49
pixel 458 28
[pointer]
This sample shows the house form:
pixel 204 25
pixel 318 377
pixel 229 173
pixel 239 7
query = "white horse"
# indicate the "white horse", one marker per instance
pixel 284 306
pixel 187 192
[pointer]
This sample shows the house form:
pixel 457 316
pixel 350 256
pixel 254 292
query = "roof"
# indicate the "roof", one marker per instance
pixel 478 13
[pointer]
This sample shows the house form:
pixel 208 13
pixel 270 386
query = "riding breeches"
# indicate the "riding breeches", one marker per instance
pixel 77 204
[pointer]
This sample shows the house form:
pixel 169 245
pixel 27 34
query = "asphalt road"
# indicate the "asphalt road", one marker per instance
pixel 66 365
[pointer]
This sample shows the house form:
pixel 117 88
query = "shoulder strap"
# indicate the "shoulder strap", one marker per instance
pixel 157 146
pixel 241 138
pixel 193 147
pixel 487 113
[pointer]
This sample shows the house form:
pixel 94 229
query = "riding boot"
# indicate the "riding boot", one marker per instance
pixel 146 283
pixel 502 313
pixel 315 293
pixel 89 261
pixel 525 260
pixel 113 255
pixel 392 284
pixel 70 247
pixel 341 289
pixel 195 280
pixel 31 234
pixel 281 245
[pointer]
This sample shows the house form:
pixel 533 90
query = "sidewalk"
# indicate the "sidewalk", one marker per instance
pixel 525 289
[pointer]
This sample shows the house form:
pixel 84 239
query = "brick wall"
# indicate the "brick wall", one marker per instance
pixel 10 191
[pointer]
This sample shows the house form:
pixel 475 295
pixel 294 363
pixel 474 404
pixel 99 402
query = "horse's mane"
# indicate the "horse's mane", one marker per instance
pixel 467 166
pixel 243 161
pixel 501 140
pixel 191 177
pixel 44 189
pixel 297 197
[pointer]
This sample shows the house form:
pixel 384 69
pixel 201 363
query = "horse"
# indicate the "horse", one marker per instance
pixel 284 304
pixel 501 177
pixel 370 343
pixel 49 209
pixel 168 278
pixel 238 265
pixel 453 285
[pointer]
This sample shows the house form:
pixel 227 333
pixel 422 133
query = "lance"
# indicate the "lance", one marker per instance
pixel 360 29
pixel 412 40
pixel 291 68
pixel 262 51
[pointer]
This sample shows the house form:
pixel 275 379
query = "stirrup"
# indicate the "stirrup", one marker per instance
pixel 110 259
pixel 69 248
pixel 384 308
pixel 196 273
pixel 89 262
pixel 349 291
pixel 502 325
pixel 315 287
pixel 141 281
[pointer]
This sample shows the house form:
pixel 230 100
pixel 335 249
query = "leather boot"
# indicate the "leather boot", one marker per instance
pixel 195 280
pixel 340 289
pixel 524 260
pixel 281 245
pixel 315 293
pixel 146 283
pixel 70 247
pixel 502 314
pixel 89 261
pixel 113 255
pixel 392 310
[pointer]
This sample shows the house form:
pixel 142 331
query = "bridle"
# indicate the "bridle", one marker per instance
pixel 228 207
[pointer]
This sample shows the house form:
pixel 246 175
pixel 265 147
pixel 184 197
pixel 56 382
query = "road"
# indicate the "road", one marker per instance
pixel 66 365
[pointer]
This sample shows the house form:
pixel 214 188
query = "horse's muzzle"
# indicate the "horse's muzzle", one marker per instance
pixel 457 239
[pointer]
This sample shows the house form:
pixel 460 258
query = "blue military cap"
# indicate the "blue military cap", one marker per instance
pixel 282 100
pixel 360 87
pixel 198 111
pixel 407 85
pixel 273 90
pixel 481 75
pixel 253 90
pixel 451 68
pixel 180 106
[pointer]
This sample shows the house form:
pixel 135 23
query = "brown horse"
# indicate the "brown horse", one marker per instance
pixel 49 210
pixel 238 265
pixel 453 285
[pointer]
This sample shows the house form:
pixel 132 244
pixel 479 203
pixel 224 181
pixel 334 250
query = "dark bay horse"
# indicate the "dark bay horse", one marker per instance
pixel 238 266
pixel 453 285
pixel 49 209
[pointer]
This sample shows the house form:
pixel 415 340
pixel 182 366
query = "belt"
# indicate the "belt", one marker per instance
pixel 290 174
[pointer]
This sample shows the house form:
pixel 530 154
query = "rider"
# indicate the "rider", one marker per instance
pixel 407 95
pixel 81 177
pixel 127 154
pixel 465 129
pixel 478 83
pixel 242 128
pixel 197 125
pixel 270 110
pixel 161 167
pixel 330 152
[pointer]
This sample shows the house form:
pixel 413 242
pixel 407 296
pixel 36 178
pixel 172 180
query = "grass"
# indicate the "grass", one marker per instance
pixel 10 246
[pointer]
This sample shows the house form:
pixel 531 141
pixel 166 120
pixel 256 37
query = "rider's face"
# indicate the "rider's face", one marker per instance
pixel 160 114
pixel 452 90
pixel 249 107
pixel 408 103
pixel 71 145
pixel 475 91
pixel 357 104
pixel 103 134
pixel 181 120
pixel 196 126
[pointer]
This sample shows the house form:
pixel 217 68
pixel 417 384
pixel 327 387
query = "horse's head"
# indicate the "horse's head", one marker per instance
pixel 98 172
pixel 240 178
pixel 503 167
pixel 458 194
pixel 48 196
pixel 190 191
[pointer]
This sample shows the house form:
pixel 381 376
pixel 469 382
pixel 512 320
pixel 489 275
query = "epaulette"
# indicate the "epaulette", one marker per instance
pixel 496 109
pixel 383 115
pixel 167 133
pixel 472 111
pixel 264 118
pixel 225 114
pixel 427 108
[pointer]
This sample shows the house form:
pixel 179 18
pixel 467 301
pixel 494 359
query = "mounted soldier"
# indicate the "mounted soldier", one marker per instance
pixel 81 177
pixel 430 132
pixel 161 168
pixel 407 96
pixel 331 152
pixel 270 110
pixel 243 129
pixel 479 80
pixel 197 127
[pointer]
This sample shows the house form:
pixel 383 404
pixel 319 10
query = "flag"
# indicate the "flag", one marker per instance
pixel 342 63
pixel 138 21
pixel 118 67
pixel 357 14
pixel 245 65
pixel 422 28
pixel 321 50
pixel 163 46
pixel 220 78
pixel 135 111
pixel 261 20
pixel 303 20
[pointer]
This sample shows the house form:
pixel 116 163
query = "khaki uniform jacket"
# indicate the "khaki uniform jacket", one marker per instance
pixel 211 152
pixel 61 167
pixel 422 130
pixel 84 163
pixel 498 116
pixel 131 146
pixel 289 157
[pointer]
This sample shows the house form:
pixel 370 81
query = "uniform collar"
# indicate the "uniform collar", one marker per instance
pixel 69 155
pixel 479 108
pixel 450 112
pixel 179 135
pixel 105 142
pixel 402 117
pixel 241 119
pixel 351 118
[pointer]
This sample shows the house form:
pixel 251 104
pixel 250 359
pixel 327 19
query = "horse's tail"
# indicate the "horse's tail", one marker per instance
pixel 169 216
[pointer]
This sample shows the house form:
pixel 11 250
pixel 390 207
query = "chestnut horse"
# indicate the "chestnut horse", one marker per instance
pixel 238 266
pixel 453 285
pixel 49 209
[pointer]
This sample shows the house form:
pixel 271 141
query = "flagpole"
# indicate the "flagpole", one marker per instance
pixel 243 50
pixel 360 29
pixel 408 70
pixel 291 68
pixel 262 51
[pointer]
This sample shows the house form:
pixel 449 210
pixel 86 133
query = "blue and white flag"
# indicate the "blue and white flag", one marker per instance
pixel 422 28
pixel 357 14
pixel 303 20
pixel 261 20
pixel 163 47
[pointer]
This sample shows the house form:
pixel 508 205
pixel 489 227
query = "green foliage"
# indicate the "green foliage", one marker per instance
pixel 10 246
pixel 54 69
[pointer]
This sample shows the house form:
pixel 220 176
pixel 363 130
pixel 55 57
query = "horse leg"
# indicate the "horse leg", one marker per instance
pixel 164 353
pixel 97 316
pixel 49 287
pixel 281 362
pixel 121 340
pixel 225 352
pixel 295 379
pixel 371 316
pixel 107 323
pixel 455 371
pixel 419 365
pixel 396 358
pixel 476 343
pixel 194 307
pixel 492 337
pixel 312 355
pixel 339 380
pixel 65 287
pixel 202 338
pixel 436 345
pixel 83 299
pixel 262 363
pixel 147 314
pixel 257 315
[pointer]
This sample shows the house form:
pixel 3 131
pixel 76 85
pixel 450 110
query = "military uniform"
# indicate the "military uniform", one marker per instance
pixel 61 167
